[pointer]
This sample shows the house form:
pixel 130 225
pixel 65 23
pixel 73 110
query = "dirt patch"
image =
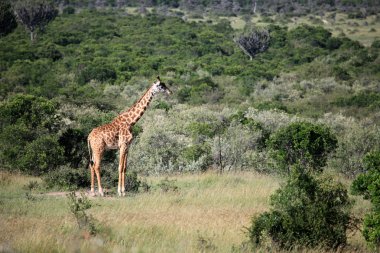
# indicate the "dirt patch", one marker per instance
pixel 77 193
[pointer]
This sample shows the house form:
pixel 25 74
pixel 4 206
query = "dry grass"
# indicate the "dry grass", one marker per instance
pixel 207 213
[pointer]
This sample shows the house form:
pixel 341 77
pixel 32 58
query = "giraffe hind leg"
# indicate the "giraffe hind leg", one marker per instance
pixel 97 172
pixel 92 178
pixel 97 156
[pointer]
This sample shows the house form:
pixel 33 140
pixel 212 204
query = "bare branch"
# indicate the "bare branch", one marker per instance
pixel 254 43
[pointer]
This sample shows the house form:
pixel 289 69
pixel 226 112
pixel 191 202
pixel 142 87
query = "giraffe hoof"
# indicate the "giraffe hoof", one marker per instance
pixel 101 194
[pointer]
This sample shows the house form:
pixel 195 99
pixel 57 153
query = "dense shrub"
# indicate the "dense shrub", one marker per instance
pixel 355 140
pixel 28 134
pixel 68 10
pixel 71 178
pixel 28 110
pixel 369 99
pixel 306 212
pixel 302 143
pixel 68 178
pixel 98 72
pixel 200 91
pixel 7 19
pixel 368 185
pixel 41 155
pixel 132 182
pixel 74 144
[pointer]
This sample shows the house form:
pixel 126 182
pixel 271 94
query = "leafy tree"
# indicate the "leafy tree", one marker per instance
pixel 307 212
pixel 41 155
pixel 34 14
pixel 28 134
pixel 28 110
pixel 368 185
pixel 7 19
pixel 302 143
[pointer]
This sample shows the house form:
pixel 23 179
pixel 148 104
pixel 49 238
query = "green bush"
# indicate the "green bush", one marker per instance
pixel 28 138
pixel 78 206
pixel 31 111
pixel 167 185
pixel 200 91
pixel 68 178
pixel 7 19
pixel 302 143
pixel 99 72
pixel 368 185
pixel 132 182
pixel 41 155
pixel 307 212
pixel 74 144
pixel 369 99
pixel 69 10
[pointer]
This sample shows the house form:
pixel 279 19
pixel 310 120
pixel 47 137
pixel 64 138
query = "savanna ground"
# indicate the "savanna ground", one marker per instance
pixel 206 213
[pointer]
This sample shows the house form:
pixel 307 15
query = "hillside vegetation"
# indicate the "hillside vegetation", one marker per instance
pixel 306 107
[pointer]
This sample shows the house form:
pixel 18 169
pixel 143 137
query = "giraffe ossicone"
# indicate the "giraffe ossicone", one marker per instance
pixel 118 135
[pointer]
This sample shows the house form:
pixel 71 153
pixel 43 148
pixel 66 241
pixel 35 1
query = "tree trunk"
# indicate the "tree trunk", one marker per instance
pixel 33 36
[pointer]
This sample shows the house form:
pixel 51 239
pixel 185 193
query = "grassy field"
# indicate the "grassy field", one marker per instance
pixel 207 213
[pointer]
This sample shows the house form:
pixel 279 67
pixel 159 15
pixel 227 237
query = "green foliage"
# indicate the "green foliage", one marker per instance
pixel 68 10
pixel 78 207
pixel 199 129
pixel 200 91
pixel 67 178
pixel 98 72
pixel 302 143
pixel 28 127
pixel 136 130
pixel 41 155
pixel 376 44
pixel 132 182
pixel 7 19
pixel 314 36
pixel 167 185
pixel 368 185
pixel 162 105
pixel 28 110
pixel 369 99
pixel 74 144
pixel 34 14
pixel 306 212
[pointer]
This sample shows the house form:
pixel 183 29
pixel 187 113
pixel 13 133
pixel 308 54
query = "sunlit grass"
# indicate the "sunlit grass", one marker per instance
pixel 208 212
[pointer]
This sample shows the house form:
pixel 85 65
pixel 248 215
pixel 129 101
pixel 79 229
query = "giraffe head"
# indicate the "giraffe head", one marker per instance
pixel 159 86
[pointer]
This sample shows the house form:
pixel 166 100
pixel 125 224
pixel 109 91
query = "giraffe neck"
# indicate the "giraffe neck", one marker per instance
pixel 133 114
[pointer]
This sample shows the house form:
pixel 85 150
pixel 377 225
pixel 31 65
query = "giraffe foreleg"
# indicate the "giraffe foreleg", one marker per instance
pixel 123 172
pixel 122 158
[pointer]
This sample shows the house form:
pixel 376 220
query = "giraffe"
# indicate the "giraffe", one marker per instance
pixel 118 135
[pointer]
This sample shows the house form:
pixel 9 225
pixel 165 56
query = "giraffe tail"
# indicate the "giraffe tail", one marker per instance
pixel 90 153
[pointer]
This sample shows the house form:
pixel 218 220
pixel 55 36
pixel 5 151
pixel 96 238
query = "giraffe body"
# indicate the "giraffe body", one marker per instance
pixel 118 135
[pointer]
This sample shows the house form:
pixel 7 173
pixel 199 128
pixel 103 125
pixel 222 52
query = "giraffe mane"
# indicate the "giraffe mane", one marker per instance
pixel 139 100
